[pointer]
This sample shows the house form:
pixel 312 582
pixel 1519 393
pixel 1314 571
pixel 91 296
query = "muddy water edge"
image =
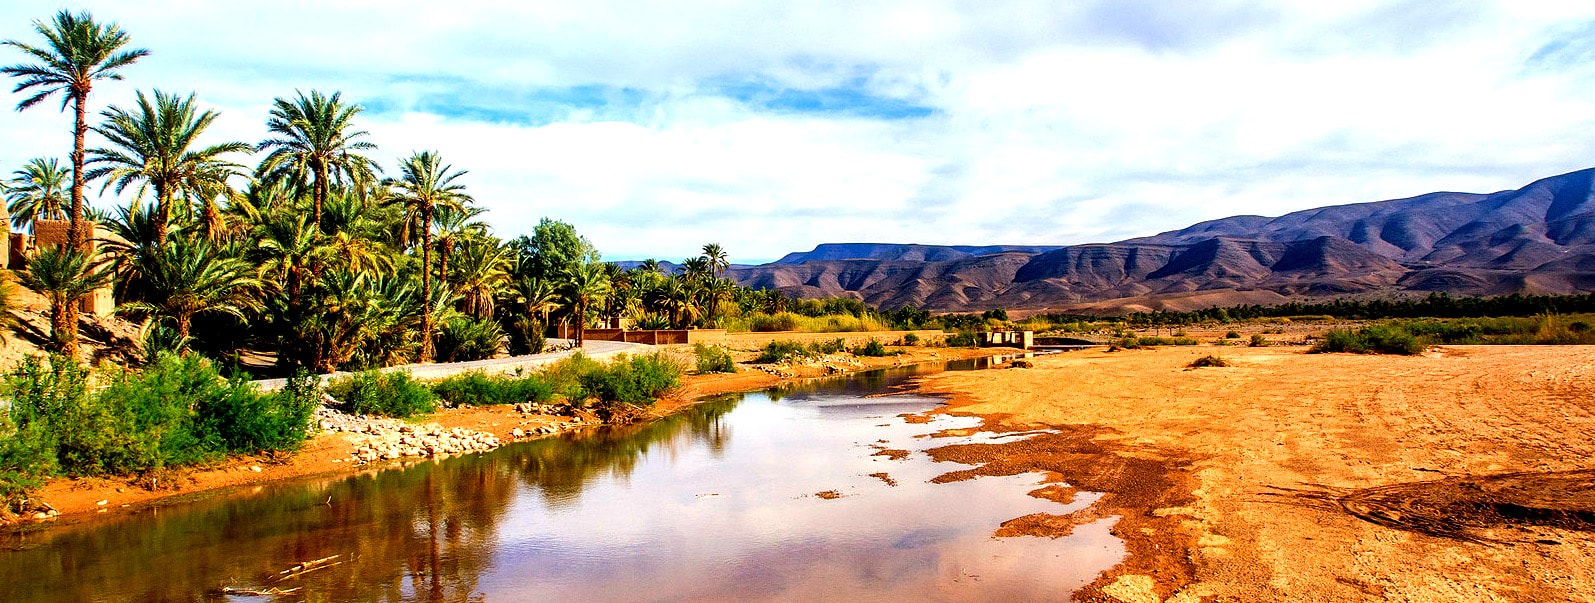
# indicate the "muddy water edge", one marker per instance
pixel 829 488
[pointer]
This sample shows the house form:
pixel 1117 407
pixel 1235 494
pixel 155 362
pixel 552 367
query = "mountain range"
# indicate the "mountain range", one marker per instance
pixel 1536 239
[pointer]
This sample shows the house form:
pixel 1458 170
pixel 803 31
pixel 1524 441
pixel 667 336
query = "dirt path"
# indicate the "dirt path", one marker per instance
pixel 1463 475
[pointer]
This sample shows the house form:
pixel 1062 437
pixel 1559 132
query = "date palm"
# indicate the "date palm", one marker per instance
pixel 453 227
pixel 718 261
pixel 584 285
pixel 156 146
pixel 188 277
pixel 38 192
pixel 425 184
pixel 316 144
pixel 481 276
pixel 64 275
pixel 77 53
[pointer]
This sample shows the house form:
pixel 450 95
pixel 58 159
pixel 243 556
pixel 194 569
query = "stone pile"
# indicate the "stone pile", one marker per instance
pixel 379 439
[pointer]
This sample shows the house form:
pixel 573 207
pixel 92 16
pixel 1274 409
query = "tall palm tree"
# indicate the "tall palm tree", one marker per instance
pixel 38 192
pixel 316 145
pixel 584 285
pixel 64 275
pixel 156 147
pixel 77 53
pixel 453 226
pixel 191 276
pixel 718 261
pixel 424 185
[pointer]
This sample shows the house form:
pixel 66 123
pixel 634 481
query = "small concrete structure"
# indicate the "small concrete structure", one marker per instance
pixel 1009 339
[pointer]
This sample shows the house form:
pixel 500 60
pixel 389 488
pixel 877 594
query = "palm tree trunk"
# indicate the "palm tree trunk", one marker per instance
pixel 64 326
pixel 162 209
pixel 74 229
pixel 426 286
pixel 184 322
pixel 581 322
pixel 320 192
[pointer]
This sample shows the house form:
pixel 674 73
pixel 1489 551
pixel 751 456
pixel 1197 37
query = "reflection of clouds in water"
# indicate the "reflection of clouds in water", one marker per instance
pixel 764 534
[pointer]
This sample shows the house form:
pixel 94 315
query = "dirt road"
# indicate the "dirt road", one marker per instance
pixel 1463 475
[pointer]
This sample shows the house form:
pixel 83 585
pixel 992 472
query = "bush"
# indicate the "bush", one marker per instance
pixel 636 381
pixel 910 339
pixel 1232 335
pixel 392 394
pixel 1378 339
pixel 1259 341
pixel 1151 341
pixel 1207 361
pixel 873 349
pixel 464 338
pixel 565 376
pixel 478 389
pixel 525 336
pixel 963 339
pixel 778 351
pixel 177 412
pixel 712 359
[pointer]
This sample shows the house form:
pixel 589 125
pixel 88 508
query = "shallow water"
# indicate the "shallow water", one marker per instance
pixel 720 502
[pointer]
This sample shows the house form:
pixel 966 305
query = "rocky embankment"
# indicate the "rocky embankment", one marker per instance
pixel 829 364
pixel 382 439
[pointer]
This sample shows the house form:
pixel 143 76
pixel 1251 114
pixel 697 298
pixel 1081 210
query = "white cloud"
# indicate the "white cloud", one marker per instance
pixel 1047 124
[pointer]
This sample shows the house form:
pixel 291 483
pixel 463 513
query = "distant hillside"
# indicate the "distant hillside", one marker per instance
pixel 1539 239
pixel 903 252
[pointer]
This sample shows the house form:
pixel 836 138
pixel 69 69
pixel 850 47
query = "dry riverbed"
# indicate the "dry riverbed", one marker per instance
pixel 348 444
pixel 1460 475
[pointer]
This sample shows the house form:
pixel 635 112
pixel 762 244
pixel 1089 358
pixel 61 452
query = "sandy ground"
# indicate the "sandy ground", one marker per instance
pixel 328 453
pixel 1460 475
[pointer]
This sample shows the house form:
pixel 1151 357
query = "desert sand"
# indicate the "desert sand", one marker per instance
pixel 1460 475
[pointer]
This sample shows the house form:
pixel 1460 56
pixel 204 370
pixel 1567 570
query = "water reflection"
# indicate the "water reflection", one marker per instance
pixel 674 509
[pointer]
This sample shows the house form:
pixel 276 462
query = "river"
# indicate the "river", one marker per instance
pixel 780 495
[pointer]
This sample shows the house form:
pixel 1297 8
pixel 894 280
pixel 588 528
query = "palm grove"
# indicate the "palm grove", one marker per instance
pixel 316 253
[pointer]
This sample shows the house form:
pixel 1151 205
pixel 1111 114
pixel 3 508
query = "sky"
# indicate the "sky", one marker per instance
pixel 770 127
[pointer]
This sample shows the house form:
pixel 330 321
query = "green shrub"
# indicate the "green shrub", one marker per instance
pixel 829 346
pixel 873 349
pixel 910 339
pixel 463 338
pixel 566 374
pixel 713 359
pixel 1377 339
pixel 1151 341
pixel 478 389
pixel 247 420
pixel 1129 342
pixel 777 351
pixel 525 336
pixel 1258 340
pixel 392 394
pixel 635 381
pixel 1208 361
pixel 1232 335
pixel 963 339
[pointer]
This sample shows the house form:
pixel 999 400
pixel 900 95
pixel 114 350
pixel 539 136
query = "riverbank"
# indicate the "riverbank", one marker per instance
pixel 1459 475
pixel 329 453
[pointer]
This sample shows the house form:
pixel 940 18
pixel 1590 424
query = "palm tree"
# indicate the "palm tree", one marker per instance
pixel 696 269
pixel 64 275
pixel 585 284
pixel 424 185
pixel 481 275
pixel 718 261
pixel 38 192
pixel 157 149
pixel 77 53
pixel 453 226
pixel 189 277
pixel 316 144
